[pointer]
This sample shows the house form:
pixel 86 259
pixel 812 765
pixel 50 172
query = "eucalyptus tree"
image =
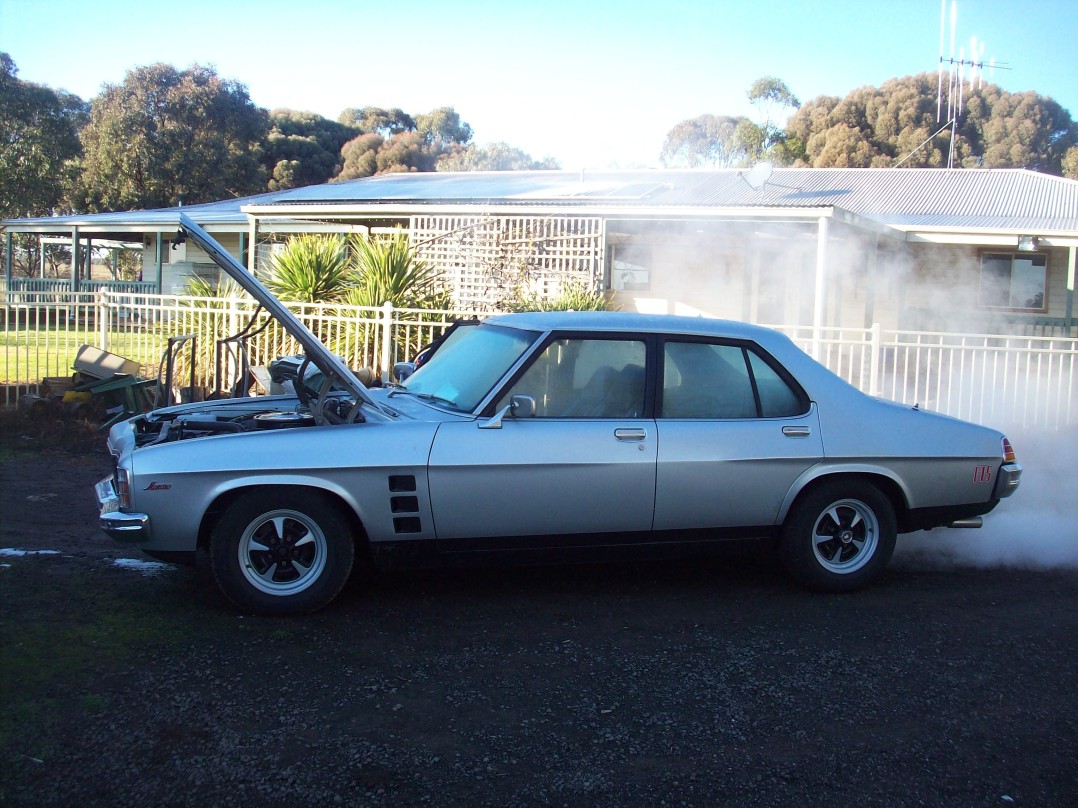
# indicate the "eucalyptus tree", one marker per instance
pixel 303 148
pixel 38 143
pixel 165 137
pixel 898 124
pixel 492 157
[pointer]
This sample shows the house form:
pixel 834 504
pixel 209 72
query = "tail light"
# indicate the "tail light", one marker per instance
pixel 1008 452
pixel 123 487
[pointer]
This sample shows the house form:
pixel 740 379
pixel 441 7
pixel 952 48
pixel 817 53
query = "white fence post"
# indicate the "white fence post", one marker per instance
pixel 876 346
pixel 103 319
pixel 387 340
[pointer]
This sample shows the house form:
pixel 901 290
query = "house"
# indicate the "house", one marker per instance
pixel 957 250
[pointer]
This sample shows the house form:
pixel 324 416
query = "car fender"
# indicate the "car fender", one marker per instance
pixel 830 469
pixel 364 493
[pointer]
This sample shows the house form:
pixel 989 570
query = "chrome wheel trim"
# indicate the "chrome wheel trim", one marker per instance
pixel 282 552
pixel 845 536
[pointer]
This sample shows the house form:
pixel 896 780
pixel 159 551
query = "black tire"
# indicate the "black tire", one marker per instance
pixel 282 551
pixel 839 536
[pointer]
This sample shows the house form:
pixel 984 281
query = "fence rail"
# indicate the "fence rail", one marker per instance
pixel 989 378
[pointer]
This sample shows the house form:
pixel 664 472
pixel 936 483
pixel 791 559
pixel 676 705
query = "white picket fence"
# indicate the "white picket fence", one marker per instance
pixel 988 378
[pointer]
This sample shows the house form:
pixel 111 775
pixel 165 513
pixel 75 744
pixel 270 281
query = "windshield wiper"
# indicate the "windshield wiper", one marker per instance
pixel 424 396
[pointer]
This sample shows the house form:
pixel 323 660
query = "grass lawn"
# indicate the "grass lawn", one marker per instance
pixel 28 355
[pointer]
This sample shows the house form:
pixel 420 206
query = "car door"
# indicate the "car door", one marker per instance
pixel 583 464
pixel 734 432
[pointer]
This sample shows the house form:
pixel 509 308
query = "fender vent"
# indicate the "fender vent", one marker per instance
pixel 404 504
pixel 401 482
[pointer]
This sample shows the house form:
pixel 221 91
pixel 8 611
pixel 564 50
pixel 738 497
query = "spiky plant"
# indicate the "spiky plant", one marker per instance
pixel 572 297
pixel 311 269
pixel 389 270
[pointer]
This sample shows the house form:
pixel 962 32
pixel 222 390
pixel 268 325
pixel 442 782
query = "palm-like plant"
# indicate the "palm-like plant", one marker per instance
pixel 311 269
pixel 389 270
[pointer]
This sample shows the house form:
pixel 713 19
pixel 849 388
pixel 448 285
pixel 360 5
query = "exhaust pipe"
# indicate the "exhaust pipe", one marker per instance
pixel 973 521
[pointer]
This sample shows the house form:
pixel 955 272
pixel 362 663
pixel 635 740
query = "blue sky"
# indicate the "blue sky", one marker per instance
pixel 590 83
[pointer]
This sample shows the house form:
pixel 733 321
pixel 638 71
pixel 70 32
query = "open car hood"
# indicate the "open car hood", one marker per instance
pixel 331 366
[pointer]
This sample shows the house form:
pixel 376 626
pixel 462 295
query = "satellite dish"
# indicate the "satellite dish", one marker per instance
pixel 758 175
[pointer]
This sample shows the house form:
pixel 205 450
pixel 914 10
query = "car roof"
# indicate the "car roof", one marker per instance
pixel 633 322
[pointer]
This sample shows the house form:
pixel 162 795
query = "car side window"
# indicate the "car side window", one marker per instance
pixel 777 399
pixel 702 380
pixel 585 378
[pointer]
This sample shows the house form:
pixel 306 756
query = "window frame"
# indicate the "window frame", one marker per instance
pixel 630 247
pixel 1013 255
pixel 746 346
pixel 539 349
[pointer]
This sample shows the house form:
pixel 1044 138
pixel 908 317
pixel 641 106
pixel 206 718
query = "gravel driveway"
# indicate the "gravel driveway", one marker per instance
pixel 714 683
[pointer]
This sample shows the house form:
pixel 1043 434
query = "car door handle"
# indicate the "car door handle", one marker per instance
pixel 630 434
pixel 796 431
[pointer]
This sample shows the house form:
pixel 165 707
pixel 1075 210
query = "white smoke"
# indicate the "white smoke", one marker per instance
pixel 1036 528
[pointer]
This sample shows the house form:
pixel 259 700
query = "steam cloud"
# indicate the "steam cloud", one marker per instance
pixel 1036 528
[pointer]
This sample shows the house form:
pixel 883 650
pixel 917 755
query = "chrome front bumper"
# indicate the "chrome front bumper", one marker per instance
pixel 130 528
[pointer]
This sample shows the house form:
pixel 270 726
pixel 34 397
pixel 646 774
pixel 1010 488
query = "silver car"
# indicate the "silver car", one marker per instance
pixel 544 436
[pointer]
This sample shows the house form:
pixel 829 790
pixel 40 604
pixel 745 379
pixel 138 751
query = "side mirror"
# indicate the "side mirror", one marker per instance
pixel 518 407
pixel 402 370
pixel 522 407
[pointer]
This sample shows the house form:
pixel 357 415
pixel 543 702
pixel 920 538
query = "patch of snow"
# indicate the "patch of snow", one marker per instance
pixel 11 551
pixel 145 567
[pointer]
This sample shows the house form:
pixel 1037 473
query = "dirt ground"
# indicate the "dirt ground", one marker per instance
pixel 714 683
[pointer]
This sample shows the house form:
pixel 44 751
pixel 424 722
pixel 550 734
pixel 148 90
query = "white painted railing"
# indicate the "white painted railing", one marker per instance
pixel 996 379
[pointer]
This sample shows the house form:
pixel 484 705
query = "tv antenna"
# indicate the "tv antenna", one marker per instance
pixel 960 71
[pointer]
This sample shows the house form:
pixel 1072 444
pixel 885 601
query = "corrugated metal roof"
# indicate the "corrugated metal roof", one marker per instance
pixel 905 198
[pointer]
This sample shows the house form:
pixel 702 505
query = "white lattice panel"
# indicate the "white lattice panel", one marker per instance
pixel 485 258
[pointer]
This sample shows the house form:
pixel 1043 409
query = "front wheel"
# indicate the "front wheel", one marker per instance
pixel 839 537
pixel 280 551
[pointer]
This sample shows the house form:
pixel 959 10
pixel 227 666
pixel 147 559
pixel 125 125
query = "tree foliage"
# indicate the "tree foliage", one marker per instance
pixel 38 142
pixel 375 120
pixel 706 140
pixel 724 140
pixel 492 157
pixel 897 122
pixel 165 137
pixel 393 141
pixel 303 148
pixel 443 126
pixel 1070 163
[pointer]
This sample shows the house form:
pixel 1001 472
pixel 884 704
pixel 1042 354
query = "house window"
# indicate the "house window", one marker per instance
pixel 630 268
pixel 1014 281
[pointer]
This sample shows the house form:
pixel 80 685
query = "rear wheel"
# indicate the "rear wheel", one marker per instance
pixel 280 551
pixel 839 537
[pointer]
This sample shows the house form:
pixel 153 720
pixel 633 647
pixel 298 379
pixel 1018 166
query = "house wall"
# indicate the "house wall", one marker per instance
pixel 869 279
pixel 756 272
pixel 943 286
pixel 187 260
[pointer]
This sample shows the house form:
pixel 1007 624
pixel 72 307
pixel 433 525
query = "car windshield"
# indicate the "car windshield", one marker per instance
pixel 466 367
